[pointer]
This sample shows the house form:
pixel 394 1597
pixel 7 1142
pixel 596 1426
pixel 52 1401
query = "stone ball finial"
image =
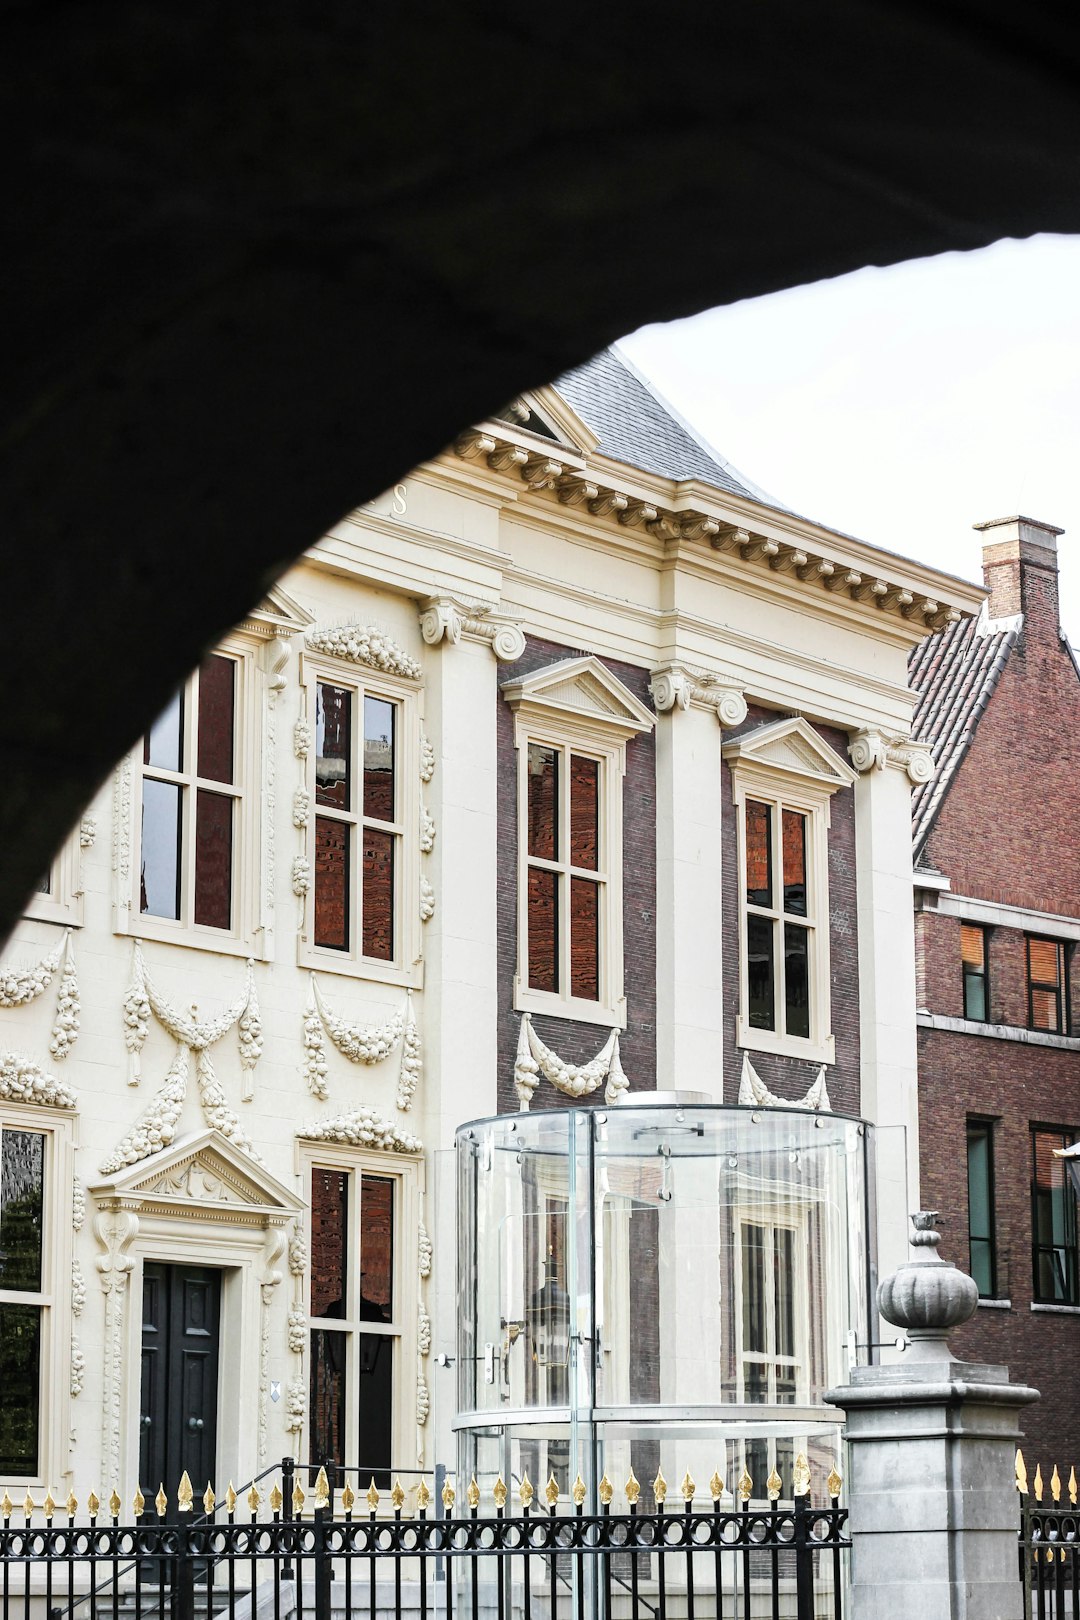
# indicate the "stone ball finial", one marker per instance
pixel 927 1296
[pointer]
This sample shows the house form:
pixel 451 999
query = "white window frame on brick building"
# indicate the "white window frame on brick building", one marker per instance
pixel 405 967
pixel 401 1332
pixel 50 1299
pixel 59 900
pixel 785 765
pixel 576 707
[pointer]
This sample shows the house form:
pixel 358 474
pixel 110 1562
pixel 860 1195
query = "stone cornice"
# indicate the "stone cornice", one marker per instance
pixel 680 514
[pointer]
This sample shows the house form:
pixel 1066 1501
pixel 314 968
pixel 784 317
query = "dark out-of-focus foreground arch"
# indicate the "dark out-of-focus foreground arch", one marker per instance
pixel 263 258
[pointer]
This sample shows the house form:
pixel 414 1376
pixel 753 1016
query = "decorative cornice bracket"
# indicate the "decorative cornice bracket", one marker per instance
pixel 872 750
pixel 450 618
pixel 678 686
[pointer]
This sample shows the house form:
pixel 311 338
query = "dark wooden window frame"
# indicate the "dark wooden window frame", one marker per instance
pixel 984 1128
pixel 968 972
pixel 1060 989
pixel 1069 1273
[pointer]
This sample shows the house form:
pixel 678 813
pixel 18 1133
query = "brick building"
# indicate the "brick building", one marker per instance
pixel 997 896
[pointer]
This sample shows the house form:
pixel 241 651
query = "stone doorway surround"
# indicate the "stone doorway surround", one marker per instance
pixel 201 1202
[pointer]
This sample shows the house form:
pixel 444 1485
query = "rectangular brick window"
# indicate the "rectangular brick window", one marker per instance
pixel 982 1239
pixel 1053 1220
pixel 781 916
pixel 974 958
pixel 1048 989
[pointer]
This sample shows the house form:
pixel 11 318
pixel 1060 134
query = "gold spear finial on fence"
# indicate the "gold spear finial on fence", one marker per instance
pixel 276 1498
pixel 298 1498
pixel 449 1496
pixel 606 1490
pixel 7 1506
pixel 93 1505
pixel 551 1492
pixel 115 1504
pixel 632 1488
pixel 716 1486
pixel 800 1476
pixel 230 1498
pixel 322 1489
pixel 1072 1486
pixel 1038 1482
pixel 688 1487
pixel 833 1483
pixel 525 1490
pixel 208 1498
pixel 1021 1473
pixel 253 1500
pixel 161 1502
pixel 472 1493
pixel 745 1487
pixel 1055 1484
pixel 348 1498
pixel 371 1495
pixel 185 1496
pixel 138 1504
pixel 498 1491
pixel 49 1504
pixel 659 1486
pixel 28 1504
pixel 71 1506
pixel 774 1485
pixel 423 1495
pixel 577 1491
pixel 397 1497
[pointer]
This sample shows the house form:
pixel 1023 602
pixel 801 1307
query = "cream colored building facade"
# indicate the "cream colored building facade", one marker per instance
pixel 176 1081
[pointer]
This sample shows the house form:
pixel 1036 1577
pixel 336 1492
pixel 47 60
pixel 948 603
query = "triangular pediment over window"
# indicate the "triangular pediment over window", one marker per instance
pixel 582 690
pixel 201 1173
pixel 791 747
pixel 280 611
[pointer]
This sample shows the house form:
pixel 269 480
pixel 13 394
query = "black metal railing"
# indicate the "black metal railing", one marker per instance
pixel 306 1555
pixel 1049 1546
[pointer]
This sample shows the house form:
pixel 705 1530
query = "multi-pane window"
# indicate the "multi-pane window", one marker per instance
pixel 976 972
pixel 1048 998
pixel 780 918
pixel 566 883
pixel 358 822
pixel 772 1368
pixel 192 801
pixel 24 1299
pixel 982 1242
pixel 1053 1220
pixel 354 1319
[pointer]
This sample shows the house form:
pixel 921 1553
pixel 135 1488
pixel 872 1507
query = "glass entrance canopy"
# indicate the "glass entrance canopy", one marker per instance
pixel 667 1283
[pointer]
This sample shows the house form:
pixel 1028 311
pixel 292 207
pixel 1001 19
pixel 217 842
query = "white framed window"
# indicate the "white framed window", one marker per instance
pixel 572 724
pixel 783 778
pixel 35 1255
pixel 361 1309
pixel 771 1333
pixel 362 908
pixel 196 809
pixel 57 896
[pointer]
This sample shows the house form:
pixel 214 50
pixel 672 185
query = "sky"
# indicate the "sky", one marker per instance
pixel 900 405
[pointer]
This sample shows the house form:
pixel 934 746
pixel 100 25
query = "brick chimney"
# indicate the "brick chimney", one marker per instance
pixel 1020 570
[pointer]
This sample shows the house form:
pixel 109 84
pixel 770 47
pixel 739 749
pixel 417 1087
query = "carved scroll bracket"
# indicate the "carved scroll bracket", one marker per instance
pixel 676 687
pixel 872 750
pixel 452 618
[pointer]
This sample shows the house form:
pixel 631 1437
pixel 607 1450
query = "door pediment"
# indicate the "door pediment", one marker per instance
pixel 201 1176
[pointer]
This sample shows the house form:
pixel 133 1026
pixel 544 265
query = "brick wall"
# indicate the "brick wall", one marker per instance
pixel 574 1041
pixel 791 1077
pixel 1007 831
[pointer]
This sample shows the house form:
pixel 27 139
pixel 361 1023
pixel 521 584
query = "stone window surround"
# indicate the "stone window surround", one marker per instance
pixel 407 1177
pixel 57 1261
pixel 765 780
pixel 246 937
pixel 407 967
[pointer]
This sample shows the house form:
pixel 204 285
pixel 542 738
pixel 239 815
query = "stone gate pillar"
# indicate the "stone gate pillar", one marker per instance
pixel 931 1449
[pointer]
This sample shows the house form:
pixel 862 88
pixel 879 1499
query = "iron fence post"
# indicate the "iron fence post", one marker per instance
pixel 183 1586
pixel 288 1484
pixel 804 1563
pixel 323 1569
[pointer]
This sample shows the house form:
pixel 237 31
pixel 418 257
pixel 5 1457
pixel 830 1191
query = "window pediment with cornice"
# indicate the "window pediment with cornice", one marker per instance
pixel 201 1172
pixel 791 748
pixel 581 692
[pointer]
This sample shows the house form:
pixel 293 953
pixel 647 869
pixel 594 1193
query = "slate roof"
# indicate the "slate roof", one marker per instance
pixel 955 673
pixel 635 425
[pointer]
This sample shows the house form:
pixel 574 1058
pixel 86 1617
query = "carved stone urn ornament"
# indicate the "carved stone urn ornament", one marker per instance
pixel 928 1295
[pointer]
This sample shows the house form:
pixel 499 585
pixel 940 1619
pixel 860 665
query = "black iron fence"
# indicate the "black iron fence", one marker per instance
pixel 1049 1545
pixel 296 1554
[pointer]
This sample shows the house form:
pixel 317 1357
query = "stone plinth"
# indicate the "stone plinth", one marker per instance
pixel 933 1507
